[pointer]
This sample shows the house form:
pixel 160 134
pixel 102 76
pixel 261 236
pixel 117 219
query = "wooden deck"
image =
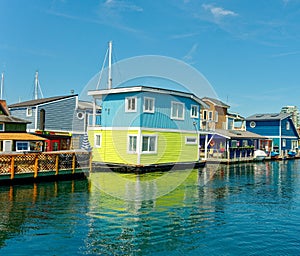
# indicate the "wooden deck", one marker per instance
pixel 16 167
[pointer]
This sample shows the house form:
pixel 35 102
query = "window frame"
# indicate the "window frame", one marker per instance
pixel 130 149
pixel 210 116
pixel 127 104
pixel 96 144
pixel 22 142
pixel 183 110
pixel 216 116
pixel 287 125
pixel 29 111
pixel 191 143
pixel 2 127
pixel 197 111
pixel 284 143
pixel 148 144
pixel 153 105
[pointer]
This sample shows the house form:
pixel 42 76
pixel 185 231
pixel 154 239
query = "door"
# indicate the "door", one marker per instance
pixel 7 145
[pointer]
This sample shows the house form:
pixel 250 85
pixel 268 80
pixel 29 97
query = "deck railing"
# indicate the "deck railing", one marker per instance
pixel 18 163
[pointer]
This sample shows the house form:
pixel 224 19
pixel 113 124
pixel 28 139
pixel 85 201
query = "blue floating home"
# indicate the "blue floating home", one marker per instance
pixel 281 133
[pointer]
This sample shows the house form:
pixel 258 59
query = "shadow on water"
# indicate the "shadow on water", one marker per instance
pixel 217 210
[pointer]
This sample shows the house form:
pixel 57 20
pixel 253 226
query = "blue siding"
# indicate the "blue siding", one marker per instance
pixel 113 112
pixel 265 128
pixel 292 131
pixel 21 113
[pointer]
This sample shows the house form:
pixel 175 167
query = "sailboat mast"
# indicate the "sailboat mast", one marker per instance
pixel 36 85
pixel 109 64
pixel 2 85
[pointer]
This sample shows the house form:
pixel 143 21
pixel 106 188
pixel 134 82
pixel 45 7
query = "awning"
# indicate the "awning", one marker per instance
pixel 20 136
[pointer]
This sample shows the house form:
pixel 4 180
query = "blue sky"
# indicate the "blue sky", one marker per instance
pixel 249 51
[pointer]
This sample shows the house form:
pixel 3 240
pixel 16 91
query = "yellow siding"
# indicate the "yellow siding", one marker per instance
pixel 113 148
pixel 171 149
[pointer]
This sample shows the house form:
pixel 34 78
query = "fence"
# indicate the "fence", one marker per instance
pixel 44 162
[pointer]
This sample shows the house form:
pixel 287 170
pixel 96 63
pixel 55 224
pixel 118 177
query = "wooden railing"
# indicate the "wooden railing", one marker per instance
pixel 18 163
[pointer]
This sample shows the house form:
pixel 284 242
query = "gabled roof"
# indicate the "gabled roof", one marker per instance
pixel 100 93
pixel 270 116
pixel 233 134
pixel 216 102
pixel 12 119
pixel 37 102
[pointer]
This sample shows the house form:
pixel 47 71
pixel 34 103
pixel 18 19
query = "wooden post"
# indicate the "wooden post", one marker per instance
pixel 36 166
pixel 91 160
pixel 56 164
pixel 12 168
pixel 73 163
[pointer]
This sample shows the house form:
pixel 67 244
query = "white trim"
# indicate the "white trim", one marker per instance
pixel 197 111
pixel 153 105
pixel 27 111
pixel 80 112
pixel 100 128
pixel 183 110
pixel 18 142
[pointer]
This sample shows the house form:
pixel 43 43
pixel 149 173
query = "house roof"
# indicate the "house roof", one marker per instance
pixel 270 116
pixel 86 105
pixel 23 136
pixel 216 102
pixel 3 108
pixel 234 134
pixel 12 119
pixel 30 103
pixel 100 93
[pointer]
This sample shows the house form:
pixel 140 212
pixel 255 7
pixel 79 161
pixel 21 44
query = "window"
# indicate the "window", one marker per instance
pixel 191 140
pixel 80 115
pixel 287 125
pixel 177 110
pixel 1 126
pixel 22 146
pixel 149 143
pixel 234 143
pixel 130 104
pixel 194 111
pixel 245 143
pixel 210 115
pixel 216 116
pixel 283 143
pixel 98 140
pixel 132 140
pixel 252 124
pixel 204 114
pixel 148 105
pixel 29 112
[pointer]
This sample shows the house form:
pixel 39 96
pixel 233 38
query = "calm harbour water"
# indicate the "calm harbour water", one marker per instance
pixel 246 209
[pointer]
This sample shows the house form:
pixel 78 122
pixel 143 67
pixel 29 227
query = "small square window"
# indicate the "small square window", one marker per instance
pixel 194 111
pixel 130 104
pixel 177 110
pixel 148 105
pixel 149 144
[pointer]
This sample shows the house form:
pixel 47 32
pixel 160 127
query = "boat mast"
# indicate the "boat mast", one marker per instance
pixel 2 85
pixel 109 82
pixel 36 84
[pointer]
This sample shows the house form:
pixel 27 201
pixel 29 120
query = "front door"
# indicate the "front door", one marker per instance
pixel 7 145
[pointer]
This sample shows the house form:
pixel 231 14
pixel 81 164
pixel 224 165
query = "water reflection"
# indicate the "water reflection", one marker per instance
pixel 218 210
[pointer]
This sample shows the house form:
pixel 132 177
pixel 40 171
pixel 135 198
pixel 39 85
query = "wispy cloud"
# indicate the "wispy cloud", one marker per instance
pixel 218 12
pixel 118 5
pixel 189 57
pixel 179 36
pixel 286 54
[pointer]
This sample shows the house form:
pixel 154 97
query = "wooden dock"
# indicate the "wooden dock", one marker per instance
pixel 25 167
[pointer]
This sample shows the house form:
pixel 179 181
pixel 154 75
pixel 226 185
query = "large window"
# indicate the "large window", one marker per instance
pixel 194 111
pixel 132 141
pixel 177 110
pixel 130 104
pixel 148 105
pixel 22 146
pixel 98 140
pixel 149 143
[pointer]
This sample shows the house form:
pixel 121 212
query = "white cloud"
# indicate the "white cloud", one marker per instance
pixel 218 12
pixel 122 6
pixel 190 55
